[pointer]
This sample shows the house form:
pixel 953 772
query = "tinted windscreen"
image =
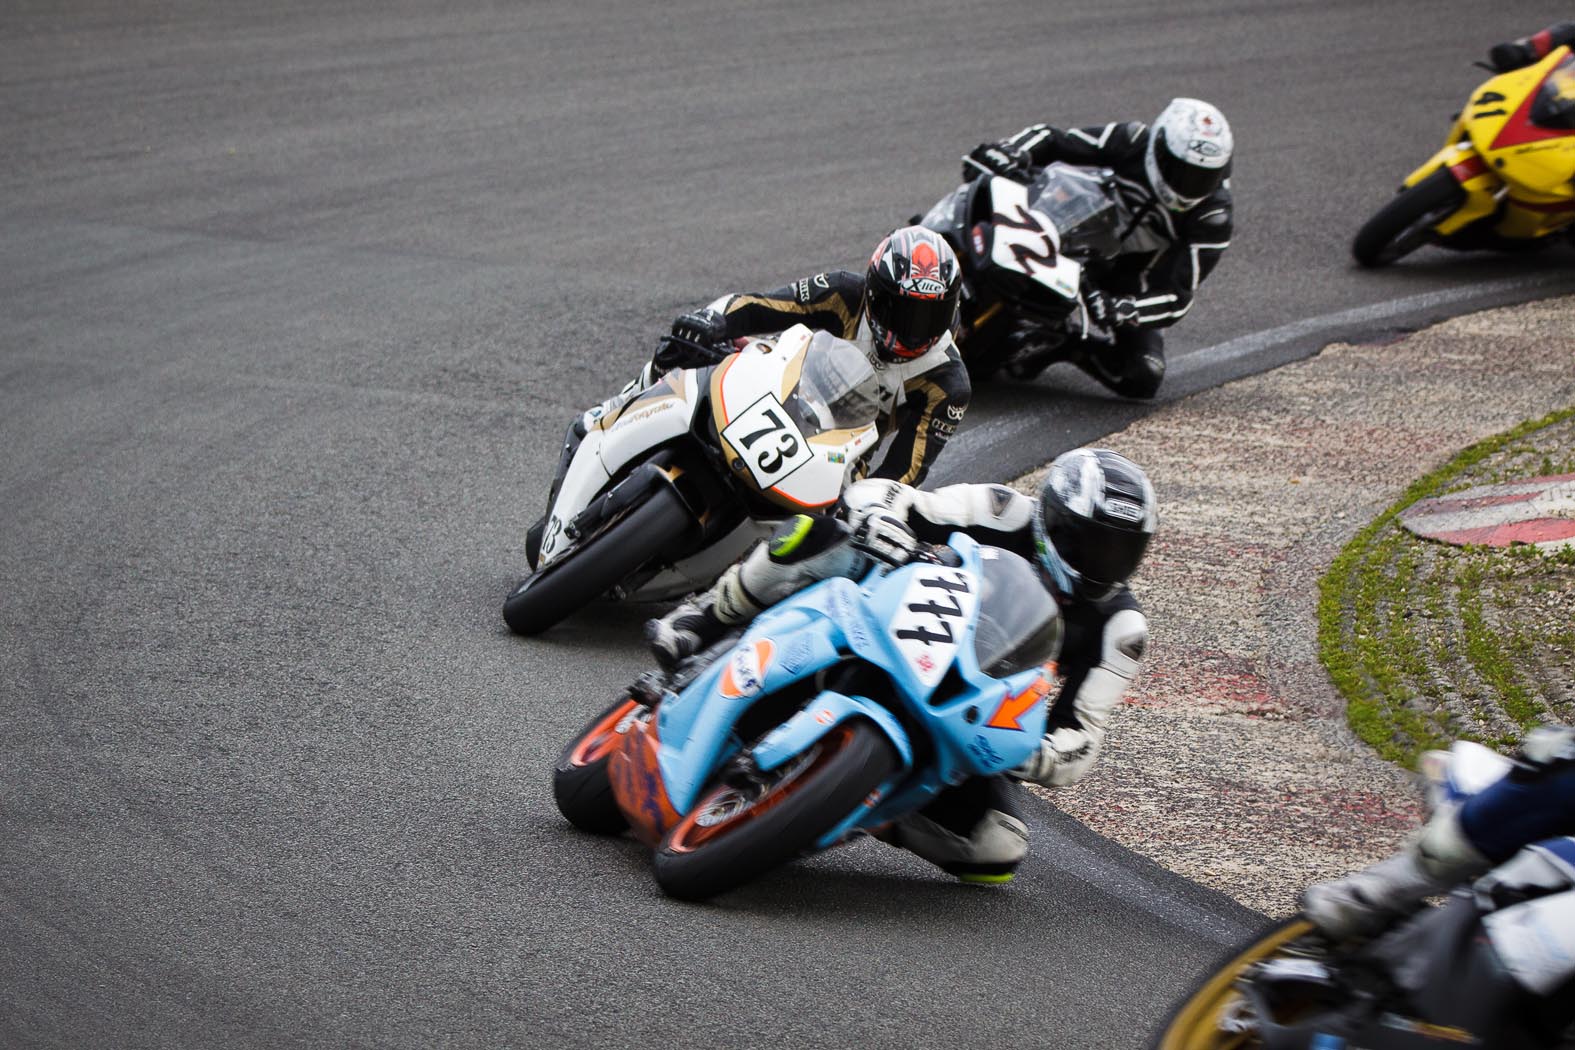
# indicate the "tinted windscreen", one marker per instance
pixel 1019 623
pixel 1083 208
pixel 1554 106
pixel 837 389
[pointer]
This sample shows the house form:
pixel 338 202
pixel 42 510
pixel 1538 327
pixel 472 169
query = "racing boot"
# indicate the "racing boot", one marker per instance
pixel 688 629
pixel 1362 904
pixel 973 831
pixel 1134 367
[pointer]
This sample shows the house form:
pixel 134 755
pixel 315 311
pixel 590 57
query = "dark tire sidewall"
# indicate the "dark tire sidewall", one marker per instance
pixel 569 584
pixel 1411 205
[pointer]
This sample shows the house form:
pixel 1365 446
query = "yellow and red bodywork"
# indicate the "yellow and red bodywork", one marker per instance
pixel 1500 158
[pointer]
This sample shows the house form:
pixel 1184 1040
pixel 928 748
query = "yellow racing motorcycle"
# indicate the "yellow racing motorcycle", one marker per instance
pixel 1503 179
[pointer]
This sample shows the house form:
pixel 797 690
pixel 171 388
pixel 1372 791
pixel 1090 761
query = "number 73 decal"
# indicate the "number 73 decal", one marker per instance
pixel 929 622
pixel 771 445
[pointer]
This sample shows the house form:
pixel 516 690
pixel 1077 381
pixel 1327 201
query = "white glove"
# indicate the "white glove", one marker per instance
pixel 885 538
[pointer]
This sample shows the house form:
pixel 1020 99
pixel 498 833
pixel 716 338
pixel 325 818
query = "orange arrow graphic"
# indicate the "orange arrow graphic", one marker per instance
pixel 1014 707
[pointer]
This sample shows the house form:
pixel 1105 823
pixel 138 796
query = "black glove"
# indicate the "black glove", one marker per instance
pixel 997 158
pixel 696 341
pixel 1110 311
pixel 703 327
pixel 1513 55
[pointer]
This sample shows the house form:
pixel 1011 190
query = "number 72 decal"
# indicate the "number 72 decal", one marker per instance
pixel 771 445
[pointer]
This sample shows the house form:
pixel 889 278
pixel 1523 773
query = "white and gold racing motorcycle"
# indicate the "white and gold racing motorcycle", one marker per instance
pixel 671 484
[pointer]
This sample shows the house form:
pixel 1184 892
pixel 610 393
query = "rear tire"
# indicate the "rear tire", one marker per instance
pixel 1194 1023
pixel 565 586
pixel 1406 222
pixel 579 780
pixel 730 837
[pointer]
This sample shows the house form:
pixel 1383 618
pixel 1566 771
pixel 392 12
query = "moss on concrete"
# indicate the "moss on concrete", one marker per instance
pixel 1430 642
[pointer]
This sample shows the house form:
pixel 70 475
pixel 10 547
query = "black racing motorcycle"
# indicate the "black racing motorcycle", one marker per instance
pixel 1025 249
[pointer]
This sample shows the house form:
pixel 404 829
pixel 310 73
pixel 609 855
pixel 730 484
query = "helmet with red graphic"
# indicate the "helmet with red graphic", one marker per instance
pixel 1188 153
pixel 910 292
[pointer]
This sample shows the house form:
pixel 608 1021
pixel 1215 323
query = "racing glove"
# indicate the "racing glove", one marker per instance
pixel 696 341
pixel 996 158
pixel 1110 311
pixel 885 538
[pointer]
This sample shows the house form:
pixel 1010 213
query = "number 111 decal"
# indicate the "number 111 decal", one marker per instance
pixel 935 608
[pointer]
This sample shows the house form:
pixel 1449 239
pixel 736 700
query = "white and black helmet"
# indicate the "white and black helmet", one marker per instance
pixel 1093 522
pixel 1188 153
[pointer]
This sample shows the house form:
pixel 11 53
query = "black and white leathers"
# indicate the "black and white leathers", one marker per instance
pixel 1165 255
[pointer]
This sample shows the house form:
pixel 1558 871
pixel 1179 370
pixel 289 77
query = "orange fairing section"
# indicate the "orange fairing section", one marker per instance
pixel 637 784
pixel 1014 707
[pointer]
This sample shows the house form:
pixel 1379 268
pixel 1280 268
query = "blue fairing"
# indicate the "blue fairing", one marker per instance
pixel 918 624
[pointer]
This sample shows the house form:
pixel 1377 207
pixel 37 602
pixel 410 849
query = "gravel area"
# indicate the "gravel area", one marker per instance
pixel 1231 763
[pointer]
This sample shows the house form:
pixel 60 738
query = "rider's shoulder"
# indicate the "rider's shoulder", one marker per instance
pixel 1213 216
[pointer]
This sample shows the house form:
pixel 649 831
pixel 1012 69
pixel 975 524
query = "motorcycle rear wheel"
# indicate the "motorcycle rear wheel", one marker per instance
pixel 735 833
pixel 563 587
pixel 1196 1023
pixel 579 779
pixel 1406 222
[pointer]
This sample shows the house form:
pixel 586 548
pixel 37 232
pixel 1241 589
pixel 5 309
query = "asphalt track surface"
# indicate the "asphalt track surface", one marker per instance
pixel 295 300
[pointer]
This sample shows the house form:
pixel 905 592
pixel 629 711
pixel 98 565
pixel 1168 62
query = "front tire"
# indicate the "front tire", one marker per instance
pixel 565 586
pixel 1196 1022
pixel 1406 222
pixel 579 779
pixel 735 833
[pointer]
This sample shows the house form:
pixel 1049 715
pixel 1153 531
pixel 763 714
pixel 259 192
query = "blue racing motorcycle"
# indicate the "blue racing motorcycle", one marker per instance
pixel 840 709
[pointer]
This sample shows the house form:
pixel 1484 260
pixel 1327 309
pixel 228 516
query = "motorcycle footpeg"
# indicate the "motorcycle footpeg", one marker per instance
pixel 649 689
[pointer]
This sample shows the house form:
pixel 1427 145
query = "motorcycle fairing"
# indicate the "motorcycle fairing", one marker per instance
pixel 762 442
pixel 978 725
pixel 661 413
pixel 1501 157
pixel 1025 240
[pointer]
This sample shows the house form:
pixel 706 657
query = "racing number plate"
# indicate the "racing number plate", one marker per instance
pixel 769 442
pixel 935 608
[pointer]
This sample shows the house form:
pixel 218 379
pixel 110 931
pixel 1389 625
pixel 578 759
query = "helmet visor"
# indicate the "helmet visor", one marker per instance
pixel 1100 552
pixel 1187 181
pixel 914 323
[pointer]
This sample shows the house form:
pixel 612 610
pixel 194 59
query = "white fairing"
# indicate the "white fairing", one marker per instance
pixel 1026 240
pixel 657 415
pixel 796 448
pixel 1536 940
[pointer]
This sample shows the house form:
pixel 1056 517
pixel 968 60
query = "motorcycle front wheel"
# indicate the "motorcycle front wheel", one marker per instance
pixel 579 779
pixel 563 587
pixel 736 832
pixel 1406 222
pixel 1213 1015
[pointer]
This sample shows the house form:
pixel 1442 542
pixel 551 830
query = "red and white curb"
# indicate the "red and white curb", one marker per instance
pixel 1537 511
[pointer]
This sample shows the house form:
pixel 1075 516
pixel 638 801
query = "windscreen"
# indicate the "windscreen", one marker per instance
pixel 1554 106
pixel 1082 205
pixel 837 390
pixel 1019 622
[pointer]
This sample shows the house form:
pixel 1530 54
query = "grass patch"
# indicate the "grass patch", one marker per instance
pixel 1386 633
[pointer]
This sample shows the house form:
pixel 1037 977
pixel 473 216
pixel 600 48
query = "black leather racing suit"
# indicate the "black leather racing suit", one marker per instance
pixel 1164 255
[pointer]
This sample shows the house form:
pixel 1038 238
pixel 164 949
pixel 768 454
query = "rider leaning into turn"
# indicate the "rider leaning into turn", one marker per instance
pixel 900 312
pixel 1175 178
pixel 1534 805
pixel 1087 532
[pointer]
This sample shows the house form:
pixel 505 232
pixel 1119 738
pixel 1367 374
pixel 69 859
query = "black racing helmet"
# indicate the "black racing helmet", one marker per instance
pixel 911 292
pixel 1095 516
